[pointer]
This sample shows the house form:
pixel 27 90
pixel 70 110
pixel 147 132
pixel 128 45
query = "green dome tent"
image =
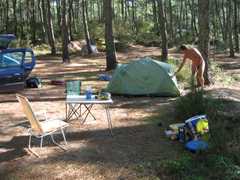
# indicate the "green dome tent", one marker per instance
pixel 144 77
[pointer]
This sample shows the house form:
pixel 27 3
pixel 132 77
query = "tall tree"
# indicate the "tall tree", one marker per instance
pixel 15 16
pixel 85 26
pixel 32 22
pixel 236 25
pixel 43 34
pixel 65 40
pixel 229 29
pixel 109 39
pixel 162 26
pixel 70 19
pixel 51 37
pixel 6 16
pixel 203 20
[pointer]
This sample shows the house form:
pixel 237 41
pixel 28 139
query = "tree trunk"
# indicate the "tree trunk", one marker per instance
pixel 85 26
pixel 65 40
pixel 42 22
pixel 236 25
pixel 15 16
pixel 6 16
pixel 50 28
pixel 230 29
pixel 99 7
pixel 155 19
pixel 162 24
pixel 225 27
pixel 171 20
pixel 21 20
pixel 134 21
pixel 70 19
pixel 203 21
pixel 111 60
pixel 122 9
pixel 59 14
pixel 32 22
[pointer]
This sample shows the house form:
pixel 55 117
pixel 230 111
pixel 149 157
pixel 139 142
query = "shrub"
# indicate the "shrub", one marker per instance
pixel 190 105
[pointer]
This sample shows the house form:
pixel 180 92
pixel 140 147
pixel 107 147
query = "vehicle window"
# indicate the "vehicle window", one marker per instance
pixel 3 44
pixel 11 59
pixel 28 57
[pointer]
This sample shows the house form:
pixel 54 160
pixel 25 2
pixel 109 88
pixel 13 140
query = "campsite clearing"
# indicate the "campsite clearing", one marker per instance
pixel 136 148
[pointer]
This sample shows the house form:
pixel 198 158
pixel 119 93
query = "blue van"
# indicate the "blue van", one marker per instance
pixel 15 64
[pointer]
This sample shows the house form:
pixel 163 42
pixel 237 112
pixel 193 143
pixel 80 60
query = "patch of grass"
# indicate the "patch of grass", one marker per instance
pixel 218 75
pixel 184 76
pixel 236 77
pixel 201 167
pixel 224 141
pixel 41 49
pixel 190 105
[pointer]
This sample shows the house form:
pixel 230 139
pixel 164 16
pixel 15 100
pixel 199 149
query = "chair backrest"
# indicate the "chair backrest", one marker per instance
pixel 35 125
pixel 73 87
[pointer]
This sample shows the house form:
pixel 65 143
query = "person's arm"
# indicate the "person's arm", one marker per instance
pixel 182 64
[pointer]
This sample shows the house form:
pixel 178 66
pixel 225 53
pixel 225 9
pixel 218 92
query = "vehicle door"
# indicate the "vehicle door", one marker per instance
pixel 28 61
pixel 11 70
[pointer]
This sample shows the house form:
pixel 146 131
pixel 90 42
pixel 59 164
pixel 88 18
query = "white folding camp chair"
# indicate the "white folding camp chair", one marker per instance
pixel 40 129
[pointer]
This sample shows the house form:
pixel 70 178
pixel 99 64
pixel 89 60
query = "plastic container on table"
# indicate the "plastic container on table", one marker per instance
pixel 88 93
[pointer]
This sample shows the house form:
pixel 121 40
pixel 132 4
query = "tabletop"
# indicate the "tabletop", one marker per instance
pixel 81 99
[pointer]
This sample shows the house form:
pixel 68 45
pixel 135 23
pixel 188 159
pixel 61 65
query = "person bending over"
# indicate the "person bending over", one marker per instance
pixel 198 63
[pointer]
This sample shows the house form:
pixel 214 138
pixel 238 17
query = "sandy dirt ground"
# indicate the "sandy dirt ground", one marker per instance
pixel 92 153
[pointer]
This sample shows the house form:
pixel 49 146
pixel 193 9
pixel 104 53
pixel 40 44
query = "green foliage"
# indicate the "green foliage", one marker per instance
pixel 224 133
pixel 96 30
pixel 201 167
pixel 219 75
pixel 177 167
pixel 190 105
pixel 146 34
pixel 148 39
pixel 184 76
pixel 42 49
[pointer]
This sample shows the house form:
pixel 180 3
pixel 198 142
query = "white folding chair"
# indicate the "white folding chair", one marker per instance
pixel 40 129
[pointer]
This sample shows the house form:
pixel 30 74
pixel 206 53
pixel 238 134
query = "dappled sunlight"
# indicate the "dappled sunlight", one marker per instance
pixel 123 118
pixel 96 149
pixel 92 152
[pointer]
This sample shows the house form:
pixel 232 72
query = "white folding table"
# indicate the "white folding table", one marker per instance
pixel 74 105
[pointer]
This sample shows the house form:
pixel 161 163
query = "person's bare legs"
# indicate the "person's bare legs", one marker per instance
pixel 194 69
pixel 200 73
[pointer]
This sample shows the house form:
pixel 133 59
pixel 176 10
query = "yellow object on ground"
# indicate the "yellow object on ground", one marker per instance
pixel 202 126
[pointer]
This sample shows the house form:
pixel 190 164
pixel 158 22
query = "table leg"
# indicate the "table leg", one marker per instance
pixel 88 110
pixel 66 110
pixel 72 110
pixel 109 119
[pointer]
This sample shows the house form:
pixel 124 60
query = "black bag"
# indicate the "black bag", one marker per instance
pixel 33 82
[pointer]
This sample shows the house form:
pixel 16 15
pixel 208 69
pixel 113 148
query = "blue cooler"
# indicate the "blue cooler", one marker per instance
pixel 196 145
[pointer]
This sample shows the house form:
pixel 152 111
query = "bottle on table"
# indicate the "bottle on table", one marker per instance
pixel 89 92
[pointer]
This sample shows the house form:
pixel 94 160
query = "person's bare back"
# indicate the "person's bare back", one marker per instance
pixel 194 55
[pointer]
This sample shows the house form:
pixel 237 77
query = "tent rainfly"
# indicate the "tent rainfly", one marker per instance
pixel 144 76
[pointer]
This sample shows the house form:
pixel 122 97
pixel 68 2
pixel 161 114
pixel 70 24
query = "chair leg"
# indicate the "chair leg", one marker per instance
pixel 29 141
pixel 64 136
pixel 53 140
pixel 57 143
pixel 41 141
